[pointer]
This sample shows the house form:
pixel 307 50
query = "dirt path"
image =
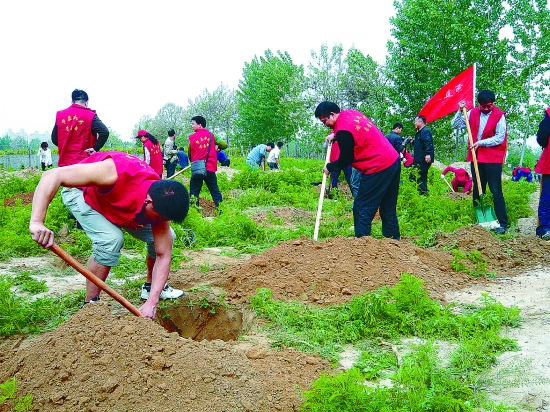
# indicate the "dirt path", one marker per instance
pixel 526 373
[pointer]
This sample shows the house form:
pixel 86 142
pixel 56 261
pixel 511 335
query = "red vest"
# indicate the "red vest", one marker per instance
pixel 124 200
pixel 543 165
pixel 334 152
pixel 372 152
pixel 198 144
pixel 74 134
pixel 156 161
pixel 494 154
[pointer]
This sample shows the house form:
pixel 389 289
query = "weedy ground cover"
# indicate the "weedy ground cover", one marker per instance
pixel 420 381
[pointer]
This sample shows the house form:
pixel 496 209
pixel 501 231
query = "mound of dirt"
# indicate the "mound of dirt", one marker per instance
pixel 99 362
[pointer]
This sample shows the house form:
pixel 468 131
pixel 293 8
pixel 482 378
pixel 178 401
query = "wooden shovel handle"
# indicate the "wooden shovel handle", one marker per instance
pixel 181 171
pixel 55 248
pixel 321 197
pixel 474 156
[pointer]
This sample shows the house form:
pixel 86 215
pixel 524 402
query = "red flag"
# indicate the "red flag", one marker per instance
pixel 445 101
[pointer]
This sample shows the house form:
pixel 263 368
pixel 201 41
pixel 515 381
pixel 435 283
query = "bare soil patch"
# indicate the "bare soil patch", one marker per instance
pixel 25 198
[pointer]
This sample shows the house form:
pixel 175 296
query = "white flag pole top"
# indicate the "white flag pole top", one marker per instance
pixel 474 88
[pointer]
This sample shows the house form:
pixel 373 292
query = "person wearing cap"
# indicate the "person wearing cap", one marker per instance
pixel 117 191
pixel 170 153
pixel 78 132
pixel 202 147
pixel 152 154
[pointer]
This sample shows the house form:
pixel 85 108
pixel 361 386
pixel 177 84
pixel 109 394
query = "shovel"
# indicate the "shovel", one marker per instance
pixel 448 184
pixel 321 197
pixel 485 214
pixel 181 171
pixel 93 278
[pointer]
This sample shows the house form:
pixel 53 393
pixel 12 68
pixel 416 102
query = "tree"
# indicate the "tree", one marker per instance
pixel 530 56
pixel 269 100
pixel 219 108
pixel 434 40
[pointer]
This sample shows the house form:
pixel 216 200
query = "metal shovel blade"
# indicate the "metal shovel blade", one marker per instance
pixel 485 216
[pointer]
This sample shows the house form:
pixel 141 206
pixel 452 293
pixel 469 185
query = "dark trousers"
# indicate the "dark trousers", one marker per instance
pixel 490 174
pixel 334 176
pixel 544 206
pixel 378 191
pixel 211 181
pixel 422 180
pixel 170 169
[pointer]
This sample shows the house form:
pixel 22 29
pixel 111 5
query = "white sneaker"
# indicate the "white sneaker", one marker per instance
pixel 167 293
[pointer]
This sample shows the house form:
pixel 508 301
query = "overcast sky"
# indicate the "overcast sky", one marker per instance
pixel 133 57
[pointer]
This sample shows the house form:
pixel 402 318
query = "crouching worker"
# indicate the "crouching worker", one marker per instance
pixel 462 179
pixel 107 192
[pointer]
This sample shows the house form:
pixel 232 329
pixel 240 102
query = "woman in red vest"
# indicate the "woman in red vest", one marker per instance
pixel 152 153
pixel 543 167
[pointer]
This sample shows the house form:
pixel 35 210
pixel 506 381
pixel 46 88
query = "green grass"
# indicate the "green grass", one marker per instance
pixel 421 382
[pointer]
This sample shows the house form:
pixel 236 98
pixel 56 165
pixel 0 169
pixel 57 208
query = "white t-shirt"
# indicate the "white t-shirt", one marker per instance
pixel 273 155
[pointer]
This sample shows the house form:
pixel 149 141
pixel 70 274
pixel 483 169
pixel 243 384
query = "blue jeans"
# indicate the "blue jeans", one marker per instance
pixel 334 176
pixel 544 206
pixel 491 174
pixel 422 180
pixel 378 191
pixel 170 169
pixel 211 181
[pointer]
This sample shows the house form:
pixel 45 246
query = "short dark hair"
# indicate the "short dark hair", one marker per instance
pixel 171 132
pixel 422 118
pixel 397 125
pixel 486 96
pixel 79 95
pixel 170 199
pixel 271 144
pixel 279 144
pixel 44 145
pixel 326 108
pixel 199 120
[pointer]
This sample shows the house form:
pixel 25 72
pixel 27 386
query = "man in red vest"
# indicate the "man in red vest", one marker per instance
pixel 543 167
pixel 78 132
pixel 364 146
pixel 488 126
pixel 117 190
pixel 202 148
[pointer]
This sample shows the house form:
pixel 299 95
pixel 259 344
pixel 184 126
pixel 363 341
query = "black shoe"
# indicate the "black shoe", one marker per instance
pixel 500 230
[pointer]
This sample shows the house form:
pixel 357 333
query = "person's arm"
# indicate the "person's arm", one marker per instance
pixel 498 138
pixel 543 134
pixel 458 121
pixel 54 135
pixel 345 142
pixel 88 174
pixel 101 131
pixel 163 249
pixel 428 142
pixel 222 144
pixel 147 155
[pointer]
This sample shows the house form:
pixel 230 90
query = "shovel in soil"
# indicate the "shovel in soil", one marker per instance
pixel 93 278
pixel 485 214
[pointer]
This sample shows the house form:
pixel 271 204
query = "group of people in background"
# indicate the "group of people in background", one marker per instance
pixel 111 191
pixel 375 161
